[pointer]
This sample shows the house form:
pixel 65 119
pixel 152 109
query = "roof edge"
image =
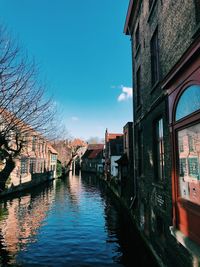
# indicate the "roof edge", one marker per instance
pixel 130 6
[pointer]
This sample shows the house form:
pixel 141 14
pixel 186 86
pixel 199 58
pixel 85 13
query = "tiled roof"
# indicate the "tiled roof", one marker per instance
pixel 96 153
pixel 93 151
pixel 111 136
pixel 52 150
pixel 95 146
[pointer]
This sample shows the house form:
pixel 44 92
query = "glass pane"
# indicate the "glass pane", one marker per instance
pixel 188 102
pixel 160 149
pixel 189 163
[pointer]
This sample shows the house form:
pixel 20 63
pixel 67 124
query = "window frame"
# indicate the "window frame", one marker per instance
pixel 182 205
pixel 138 87
pixel 155 59
pixel 140 139
pixel 158 145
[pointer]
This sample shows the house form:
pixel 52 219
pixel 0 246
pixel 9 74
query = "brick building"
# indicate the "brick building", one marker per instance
pixel 37 159
pixel 165 40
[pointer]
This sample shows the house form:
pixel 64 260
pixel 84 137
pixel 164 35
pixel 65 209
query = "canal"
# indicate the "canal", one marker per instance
pixel 70 222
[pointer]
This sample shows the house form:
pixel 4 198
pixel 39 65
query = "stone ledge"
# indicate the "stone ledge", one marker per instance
pixel 190 245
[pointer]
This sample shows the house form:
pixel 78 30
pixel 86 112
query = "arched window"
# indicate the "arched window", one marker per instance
pixel 189 102
pixel 186 136
pixel 188 140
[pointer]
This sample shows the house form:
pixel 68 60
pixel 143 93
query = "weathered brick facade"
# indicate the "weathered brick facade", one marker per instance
pixel 176 26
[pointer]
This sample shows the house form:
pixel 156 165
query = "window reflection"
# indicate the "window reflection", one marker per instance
pixel 189 163
pixel 189 102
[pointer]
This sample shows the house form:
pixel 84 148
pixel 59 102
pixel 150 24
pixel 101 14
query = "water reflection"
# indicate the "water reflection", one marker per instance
pixel 73 222
pixel 20 219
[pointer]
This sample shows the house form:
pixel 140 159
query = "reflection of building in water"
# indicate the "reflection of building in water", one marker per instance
pixel 24 216
pixel 189 153
pixel 75 188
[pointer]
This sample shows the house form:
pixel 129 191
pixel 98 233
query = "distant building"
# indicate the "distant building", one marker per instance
pixel 113 151
pixel 92 160
pixel 125 165
pixel 36 158
pixel 165 39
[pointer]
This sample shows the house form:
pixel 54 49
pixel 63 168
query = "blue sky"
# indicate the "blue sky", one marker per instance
pixel 83 56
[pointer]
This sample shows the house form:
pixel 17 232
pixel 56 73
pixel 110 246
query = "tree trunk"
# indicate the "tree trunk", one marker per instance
pixel 5 173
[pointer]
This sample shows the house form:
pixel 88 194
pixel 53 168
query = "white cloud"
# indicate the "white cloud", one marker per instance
pixel 127 92
pixel 74 118
pixel 121 97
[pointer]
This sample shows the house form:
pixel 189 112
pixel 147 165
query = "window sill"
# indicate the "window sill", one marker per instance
pixel 137 50
pixel 154 87
pixel 151 10
pixel 185 241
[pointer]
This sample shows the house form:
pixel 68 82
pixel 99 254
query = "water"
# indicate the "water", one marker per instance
pixel 70 222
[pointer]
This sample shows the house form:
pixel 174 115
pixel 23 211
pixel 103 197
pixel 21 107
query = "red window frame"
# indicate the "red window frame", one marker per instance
pixel 186 214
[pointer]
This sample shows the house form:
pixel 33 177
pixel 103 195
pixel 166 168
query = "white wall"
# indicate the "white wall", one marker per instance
pixel 114 165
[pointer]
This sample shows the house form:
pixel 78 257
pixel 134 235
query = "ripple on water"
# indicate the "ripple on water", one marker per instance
pixel 69 223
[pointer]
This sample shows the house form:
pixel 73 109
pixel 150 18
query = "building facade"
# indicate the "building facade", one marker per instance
pixel 165 39
pixel 125 166
pixel 37 157
pixel 113 151
pixel 92 160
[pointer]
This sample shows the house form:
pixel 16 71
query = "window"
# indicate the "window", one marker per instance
pixel 34 139
pixel 184 123
pixel 185 107
pixel 181 148
pixel 154 58
pixel 138 87
pixel 125 140
pixel 32 165
pixel 53 157
pixel 140 153
pixel 191 143
pixel 137 37
pixel 159 150
pixel 24 166
pixel 189 162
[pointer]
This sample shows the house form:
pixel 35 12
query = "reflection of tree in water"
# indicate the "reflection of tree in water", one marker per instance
pixel 21 221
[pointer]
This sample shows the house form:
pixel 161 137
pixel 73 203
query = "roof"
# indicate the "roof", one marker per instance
pixel 52 150
pixel 133 9
pixel 93 151
pixel 130 6
pixel 95 146
pixel 111 136
pixel 96 153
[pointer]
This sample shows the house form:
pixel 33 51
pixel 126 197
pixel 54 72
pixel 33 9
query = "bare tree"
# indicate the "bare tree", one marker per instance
pixel 24 109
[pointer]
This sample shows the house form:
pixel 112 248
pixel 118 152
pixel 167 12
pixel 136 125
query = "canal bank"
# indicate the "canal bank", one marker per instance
pixel 130 211
pixel 37 179
pixel 70 222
